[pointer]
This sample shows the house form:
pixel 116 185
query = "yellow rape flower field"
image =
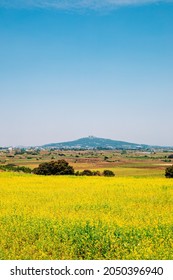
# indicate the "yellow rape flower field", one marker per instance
pixel 69 217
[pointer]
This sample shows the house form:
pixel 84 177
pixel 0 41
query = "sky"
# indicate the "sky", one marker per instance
pixel 70 69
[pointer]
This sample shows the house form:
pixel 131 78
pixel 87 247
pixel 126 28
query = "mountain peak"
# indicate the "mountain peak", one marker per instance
pixel 91 137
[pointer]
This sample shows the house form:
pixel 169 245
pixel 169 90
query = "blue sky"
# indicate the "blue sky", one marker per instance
pixel 69 69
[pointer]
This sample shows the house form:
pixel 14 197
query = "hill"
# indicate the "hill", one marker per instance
pixel 92 142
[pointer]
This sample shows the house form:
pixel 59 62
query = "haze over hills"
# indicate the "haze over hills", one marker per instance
pixel 92 142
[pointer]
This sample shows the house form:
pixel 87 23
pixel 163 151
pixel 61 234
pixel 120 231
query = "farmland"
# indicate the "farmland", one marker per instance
pixel 129 216
pixel 122 162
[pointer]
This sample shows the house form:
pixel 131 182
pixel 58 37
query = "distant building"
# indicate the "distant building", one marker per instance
pixel 10 149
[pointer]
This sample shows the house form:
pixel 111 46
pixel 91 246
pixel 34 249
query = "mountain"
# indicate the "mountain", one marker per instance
pixel 92 142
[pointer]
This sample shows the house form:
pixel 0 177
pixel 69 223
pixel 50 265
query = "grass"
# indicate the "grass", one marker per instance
pixel 68 217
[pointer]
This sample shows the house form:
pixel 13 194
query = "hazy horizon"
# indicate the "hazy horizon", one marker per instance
pixel 72 140
pixel 72 69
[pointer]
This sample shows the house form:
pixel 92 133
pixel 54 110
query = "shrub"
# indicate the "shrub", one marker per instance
pixel 15 168
pixel 87 172
pixel 60 167
pixel 23 169
pixel 169 172
pixel 108 173
pixel 96 173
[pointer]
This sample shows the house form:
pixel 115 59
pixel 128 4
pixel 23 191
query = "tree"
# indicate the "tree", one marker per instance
pixel 169 172
pixel 170 156
pixel 60 167
pixel 108 173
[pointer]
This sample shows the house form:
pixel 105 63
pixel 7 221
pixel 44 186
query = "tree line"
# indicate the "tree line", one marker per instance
pixel 62 167
pixel 59 167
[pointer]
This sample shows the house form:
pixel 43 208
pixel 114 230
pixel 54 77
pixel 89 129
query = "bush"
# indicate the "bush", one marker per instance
pixel 60 167
pixel 96 173
pixel 15 168
pixel 23 169
pixel 169 172
pixel 108 173
pixel 87 172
